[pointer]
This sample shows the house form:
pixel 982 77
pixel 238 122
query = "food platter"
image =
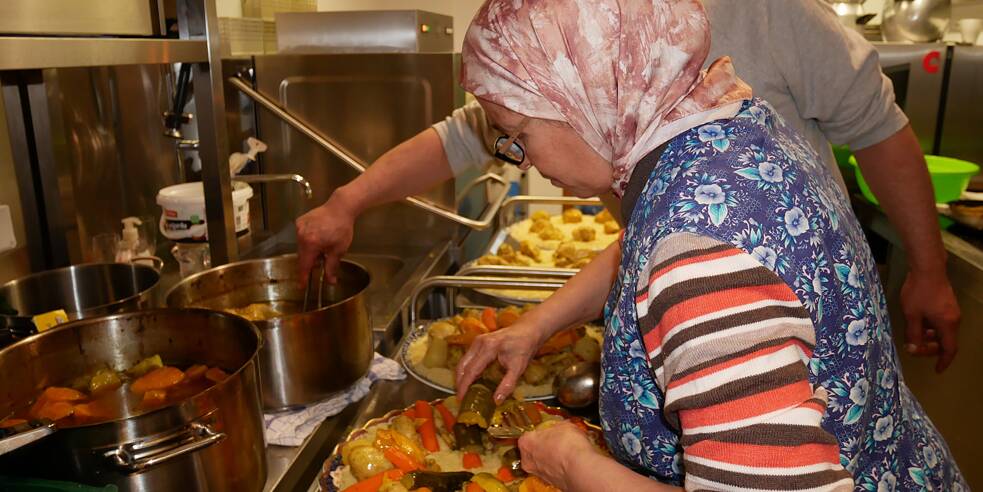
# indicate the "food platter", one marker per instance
pixel 336 475
pixel 567 347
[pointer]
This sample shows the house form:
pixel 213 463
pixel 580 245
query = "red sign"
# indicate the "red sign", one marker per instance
pixel 932 62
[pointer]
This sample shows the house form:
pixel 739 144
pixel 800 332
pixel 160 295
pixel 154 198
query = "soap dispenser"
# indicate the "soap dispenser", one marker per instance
pixel 130 246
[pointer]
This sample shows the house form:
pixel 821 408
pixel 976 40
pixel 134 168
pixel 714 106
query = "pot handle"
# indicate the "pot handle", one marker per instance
pixel 158 264
pixel 140 455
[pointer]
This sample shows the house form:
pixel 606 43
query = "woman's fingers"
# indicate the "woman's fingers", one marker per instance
pixel 332 261
pixel 472 364
pixel 508 383
pixel 306 258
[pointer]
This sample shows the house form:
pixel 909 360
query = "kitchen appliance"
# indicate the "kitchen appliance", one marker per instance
pixel 306 356
pixel 82 291
pixel 210 441
pixel 917 72
pixel 962 123
pixel 387 31
pixel 915 21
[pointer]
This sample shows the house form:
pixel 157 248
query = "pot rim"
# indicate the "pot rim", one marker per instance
pixel 253 358
pixel 91 309
pixel 212 271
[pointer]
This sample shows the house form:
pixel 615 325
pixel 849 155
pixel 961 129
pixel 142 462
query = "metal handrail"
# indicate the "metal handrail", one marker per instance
pixel 471 270
pixel 482 223
pixel 474 283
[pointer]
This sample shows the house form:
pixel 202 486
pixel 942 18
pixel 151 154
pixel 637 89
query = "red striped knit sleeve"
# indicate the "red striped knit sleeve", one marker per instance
pixel 729 342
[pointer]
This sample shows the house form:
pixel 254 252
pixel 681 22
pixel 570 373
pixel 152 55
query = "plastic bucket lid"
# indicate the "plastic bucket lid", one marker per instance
pixel 192 194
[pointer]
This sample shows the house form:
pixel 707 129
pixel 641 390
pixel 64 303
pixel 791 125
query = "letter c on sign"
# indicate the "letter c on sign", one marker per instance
pixel 932 61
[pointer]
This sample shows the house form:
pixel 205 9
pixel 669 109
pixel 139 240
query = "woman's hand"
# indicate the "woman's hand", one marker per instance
pixel 325 231
pixel 513 347
pixel 553 453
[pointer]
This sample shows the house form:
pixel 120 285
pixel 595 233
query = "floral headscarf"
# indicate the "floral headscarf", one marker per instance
pixel 625 74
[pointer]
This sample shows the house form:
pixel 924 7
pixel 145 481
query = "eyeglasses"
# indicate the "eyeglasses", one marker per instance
pixel 507 149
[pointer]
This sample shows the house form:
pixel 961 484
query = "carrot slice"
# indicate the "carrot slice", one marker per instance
pixel 446 416
pixel 505 474
pixel 471 325
pixel 89 412
pixel 471 460
pixel 196 372
pixel 507 318
pixel 216 375
pixel 410 414
pixel 473 487
pixel 158 379
pixel 558 342
pixel 488 318
pixel 153 398
pixel 56 410
pixel 57 393
pixel 402 460
pixel 373 483
pixel 428 430
pixel 532 411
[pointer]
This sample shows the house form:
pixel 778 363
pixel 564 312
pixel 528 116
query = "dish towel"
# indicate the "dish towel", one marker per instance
pixel 292 427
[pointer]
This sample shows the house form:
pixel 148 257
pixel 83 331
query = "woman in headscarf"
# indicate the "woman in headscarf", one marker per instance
pixel 747 342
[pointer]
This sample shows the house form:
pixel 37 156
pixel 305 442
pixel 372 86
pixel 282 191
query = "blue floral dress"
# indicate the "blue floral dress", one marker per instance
pixel 754 183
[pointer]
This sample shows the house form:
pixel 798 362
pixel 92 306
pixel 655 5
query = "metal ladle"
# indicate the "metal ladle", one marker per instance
pixel 577 385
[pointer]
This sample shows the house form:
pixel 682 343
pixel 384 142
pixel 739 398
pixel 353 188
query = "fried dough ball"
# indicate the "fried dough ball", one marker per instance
pixel 611 227
pixel 540 215
pixel 539 225
pixel 584 234
pixel 551 234
pixel 491 260
pixel 529 249
pixel 604 216
pixel 572 216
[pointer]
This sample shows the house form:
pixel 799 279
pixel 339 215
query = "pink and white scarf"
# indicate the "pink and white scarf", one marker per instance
pixel 625 74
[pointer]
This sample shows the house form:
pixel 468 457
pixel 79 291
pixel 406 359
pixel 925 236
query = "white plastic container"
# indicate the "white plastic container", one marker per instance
pixel 183 216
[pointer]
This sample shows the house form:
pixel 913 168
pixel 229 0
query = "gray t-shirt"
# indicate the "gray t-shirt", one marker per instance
pixel 823 79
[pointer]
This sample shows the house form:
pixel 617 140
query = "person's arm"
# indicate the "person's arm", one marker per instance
pixel 413 166
pixel 434 155
pixel 835 78
pixel 580 300
pixel 897 174
pixel 728 343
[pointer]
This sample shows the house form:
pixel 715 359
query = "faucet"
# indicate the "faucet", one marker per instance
pixel 271 178
pixel 176 117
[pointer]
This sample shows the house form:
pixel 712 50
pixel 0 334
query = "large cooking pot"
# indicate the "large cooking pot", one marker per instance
pixel 83 291
pixel 306 355
pixel 209 442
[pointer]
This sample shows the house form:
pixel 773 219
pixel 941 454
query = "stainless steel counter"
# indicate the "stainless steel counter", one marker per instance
pixel 953 400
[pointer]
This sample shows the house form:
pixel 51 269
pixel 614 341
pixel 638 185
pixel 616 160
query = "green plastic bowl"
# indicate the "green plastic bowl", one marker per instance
pixel 842 154
pixel 950 177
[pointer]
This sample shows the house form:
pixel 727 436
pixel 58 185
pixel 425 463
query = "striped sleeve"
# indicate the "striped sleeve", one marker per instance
pixel 729 342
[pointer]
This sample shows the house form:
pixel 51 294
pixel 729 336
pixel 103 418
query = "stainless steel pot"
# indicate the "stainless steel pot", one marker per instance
pixel 83 291
pixel 306 355
pixel 918 21
pixel 211 441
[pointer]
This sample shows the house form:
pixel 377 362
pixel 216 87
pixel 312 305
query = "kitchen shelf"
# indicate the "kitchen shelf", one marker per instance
pixel 24 53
